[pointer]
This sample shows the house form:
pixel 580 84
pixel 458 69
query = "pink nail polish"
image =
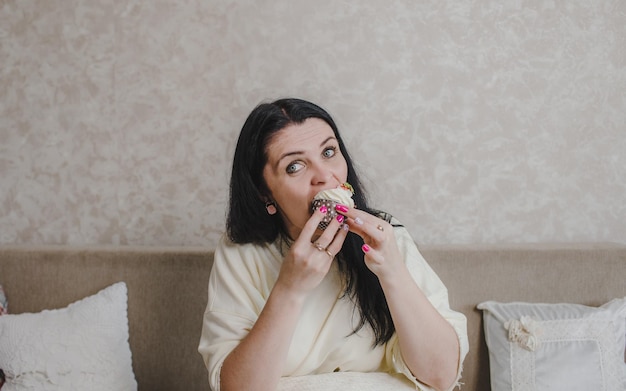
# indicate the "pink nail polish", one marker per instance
pixel 365 248
pixel 340 218
pixel 323 209
pixel 341 208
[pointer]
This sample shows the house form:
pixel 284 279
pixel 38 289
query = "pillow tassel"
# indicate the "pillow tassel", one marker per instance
pixel 524 332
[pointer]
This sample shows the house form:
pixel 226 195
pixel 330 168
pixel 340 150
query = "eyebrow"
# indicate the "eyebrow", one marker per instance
pixel 301 152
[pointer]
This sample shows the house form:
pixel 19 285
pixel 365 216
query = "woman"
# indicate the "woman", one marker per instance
pixel 286 299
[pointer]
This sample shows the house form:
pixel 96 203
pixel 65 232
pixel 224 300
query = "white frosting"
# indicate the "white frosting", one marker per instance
pixel 338 194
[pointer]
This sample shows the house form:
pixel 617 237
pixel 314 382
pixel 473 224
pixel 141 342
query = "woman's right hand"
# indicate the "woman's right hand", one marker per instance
pixel 311 255
pixel 258 360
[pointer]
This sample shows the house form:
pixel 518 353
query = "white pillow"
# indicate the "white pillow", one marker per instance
pixel 555 346
pixel 81 347
pixel 347 381
pixel 4 304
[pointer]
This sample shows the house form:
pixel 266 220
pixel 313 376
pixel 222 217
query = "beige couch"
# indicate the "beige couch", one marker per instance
pixel 167 292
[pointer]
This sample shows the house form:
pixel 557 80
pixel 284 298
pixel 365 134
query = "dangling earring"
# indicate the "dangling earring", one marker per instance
pixel 270 206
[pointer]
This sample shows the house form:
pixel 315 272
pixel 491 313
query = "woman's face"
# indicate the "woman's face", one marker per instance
pixel 302 159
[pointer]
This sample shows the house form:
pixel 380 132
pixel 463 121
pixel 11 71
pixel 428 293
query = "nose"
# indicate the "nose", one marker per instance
pixel 322 174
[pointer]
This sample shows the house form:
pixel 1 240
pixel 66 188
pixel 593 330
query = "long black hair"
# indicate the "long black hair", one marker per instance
pixel 248 222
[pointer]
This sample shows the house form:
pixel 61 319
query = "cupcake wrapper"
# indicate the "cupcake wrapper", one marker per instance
pixel 330 214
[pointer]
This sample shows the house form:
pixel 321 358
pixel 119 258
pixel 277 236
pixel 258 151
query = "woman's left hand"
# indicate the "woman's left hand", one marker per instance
pixel 427 341
pixel 382 255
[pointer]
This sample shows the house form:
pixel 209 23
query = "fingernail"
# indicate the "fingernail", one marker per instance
pixel 323 209
pixel 365 248
pixel 358 221
pixel 345 227
pixel 341 208
pixel 340 218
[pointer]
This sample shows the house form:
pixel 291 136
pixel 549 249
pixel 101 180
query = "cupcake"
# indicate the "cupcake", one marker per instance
pixel 342 194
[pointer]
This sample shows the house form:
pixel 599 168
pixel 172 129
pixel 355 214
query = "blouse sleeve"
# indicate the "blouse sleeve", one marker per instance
pixel 437 294
pixel 235 299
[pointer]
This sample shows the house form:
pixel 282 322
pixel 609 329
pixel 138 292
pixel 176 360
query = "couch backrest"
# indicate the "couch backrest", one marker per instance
pixel 589 274
pixel 167 295
pixel 167 291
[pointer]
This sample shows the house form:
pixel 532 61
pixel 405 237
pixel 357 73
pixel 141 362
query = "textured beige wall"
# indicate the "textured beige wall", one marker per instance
pixel 473 121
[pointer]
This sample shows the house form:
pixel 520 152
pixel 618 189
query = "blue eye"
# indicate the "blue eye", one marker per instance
pixel 293 167
pixel 329 152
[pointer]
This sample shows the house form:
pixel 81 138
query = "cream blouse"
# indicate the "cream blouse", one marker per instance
pixel 240 283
